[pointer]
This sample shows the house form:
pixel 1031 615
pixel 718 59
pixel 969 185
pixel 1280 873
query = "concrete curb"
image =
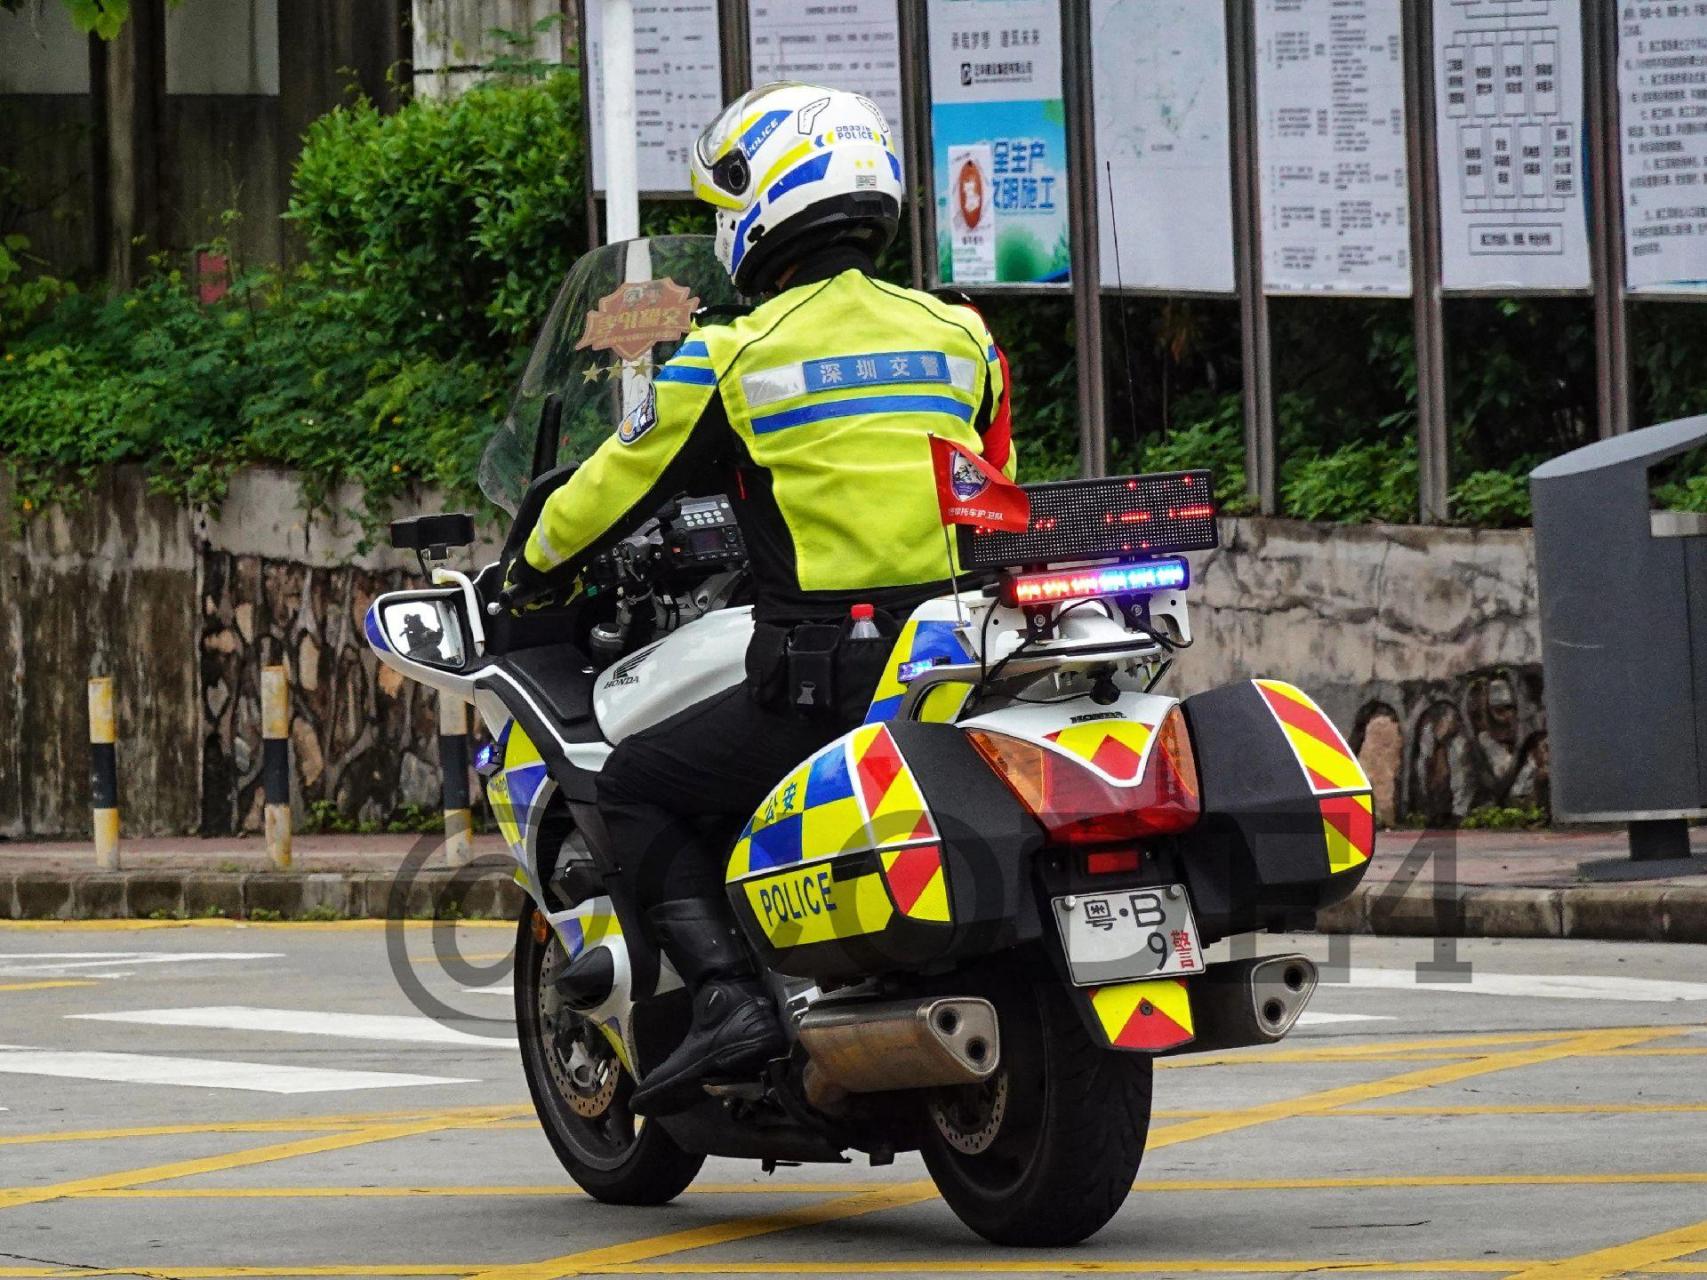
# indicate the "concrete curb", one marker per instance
pixel 471 893
pixel 1623 913
pixel 1599 912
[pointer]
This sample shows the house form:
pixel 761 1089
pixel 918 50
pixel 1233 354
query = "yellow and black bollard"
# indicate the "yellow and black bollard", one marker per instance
pixel 453 763
pixel 275 762
pixel 104 773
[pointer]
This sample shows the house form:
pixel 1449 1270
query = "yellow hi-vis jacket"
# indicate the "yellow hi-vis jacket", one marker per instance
pixel 815 411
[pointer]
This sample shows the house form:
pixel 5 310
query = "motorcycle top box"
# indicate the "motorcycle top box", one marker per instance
pixel 981 914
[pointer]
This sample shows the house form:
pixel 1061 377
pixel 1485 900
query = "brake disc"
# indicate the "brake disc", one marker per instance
pixel 970 1117
pixel 583 1068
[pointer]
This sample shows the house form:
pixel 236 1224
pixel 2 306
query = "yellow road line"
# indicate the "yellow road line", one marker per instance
pixel 624 1257
pixel 45 985
pixel 486 1117
pixel 1013 1263
pixel 1405 1082
pixel 621 1257
pixel 1650 1253
pixel 1526 1109
pixel 1318 1056
pixel 219 922
pixel 546 1191
pixel 475 1191
pixel 1022 1264
pixel 12 1197
pixel 210 1273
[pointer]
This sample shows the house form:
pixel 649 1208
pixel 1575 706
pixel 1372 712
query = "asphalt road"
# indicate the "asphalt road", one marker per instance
pixel 266 1101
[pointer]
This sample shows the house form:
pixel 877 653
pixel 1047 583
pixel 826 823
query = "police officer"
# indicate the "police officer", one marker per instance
pixel 821 401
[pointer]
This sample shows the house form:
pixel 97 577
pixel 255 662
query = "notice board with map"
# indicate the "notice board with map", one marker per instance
pixel 1163 138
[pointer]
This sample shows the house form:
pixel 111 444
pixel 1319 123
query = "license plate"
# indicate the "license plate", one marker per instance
pixel 1129 933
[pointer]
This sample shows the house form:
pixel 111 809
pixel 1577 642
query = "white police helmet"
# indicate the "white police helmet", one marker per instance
pixel 793 168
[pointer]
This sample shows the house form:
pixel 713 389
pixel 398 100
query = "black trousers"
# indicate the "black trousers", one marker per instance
pixel 716 759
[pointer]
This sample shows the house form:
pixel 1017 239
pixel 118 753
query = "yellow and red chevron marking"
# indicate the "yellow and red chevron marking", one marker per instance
pixel 1114 747
pixel 893 803
pixel 1348 822
pixel 917 882
pixel 1322 753
pixel 1152 1014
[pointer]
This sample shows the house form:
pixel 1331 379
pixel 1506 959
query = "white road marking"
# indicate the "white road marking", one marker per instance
pixel 508 989
pixel 1320 1018
pixel 1551 986
pixel 53 963
pixel 401 1028
pixel 203 1073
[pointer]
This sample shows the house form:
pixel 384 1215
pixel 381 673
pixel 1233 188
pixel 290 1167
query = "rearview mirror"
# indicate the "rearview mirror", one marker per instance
pixel 426 629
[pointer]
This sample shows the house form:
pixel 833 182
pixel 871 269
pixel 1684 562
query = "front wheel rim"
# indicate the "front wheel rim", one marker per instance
pixel 588 1087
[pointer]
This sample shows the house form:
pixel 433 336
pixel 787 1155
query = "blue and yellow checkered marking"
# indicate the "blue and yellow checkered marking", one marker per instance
pixel 920 640
pixel 518 782
pixel 813 813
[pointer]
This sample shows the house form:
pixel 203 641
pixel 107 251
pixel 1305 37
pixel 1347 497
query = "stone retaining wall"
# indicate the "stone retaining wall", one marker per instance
pixel 1423 644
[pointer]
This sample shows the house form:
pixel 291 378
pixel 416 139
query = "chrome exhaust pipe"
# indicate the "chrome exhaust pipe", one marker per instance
pixel 874 1047
pixel 1238 1003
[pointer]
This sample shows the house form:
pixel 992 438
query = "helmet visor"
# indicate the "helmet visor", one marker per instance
pixel 718 134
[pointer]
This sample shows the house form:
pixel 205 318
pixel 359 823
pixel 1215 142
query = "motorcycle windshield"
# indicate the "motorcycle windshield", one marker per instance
pixel 622 311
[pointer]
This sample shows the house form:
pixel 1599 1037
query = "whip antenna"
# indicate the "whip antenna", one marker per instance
pixel 1125 329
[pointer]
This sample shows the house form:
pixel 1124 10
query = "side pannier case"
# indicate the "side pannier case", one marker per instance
pixel 892 848
pixel 1288 825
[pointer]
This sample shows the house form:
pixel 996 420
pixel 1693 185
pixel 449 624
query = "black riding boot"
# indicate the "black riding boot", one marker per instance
pixel 734 1030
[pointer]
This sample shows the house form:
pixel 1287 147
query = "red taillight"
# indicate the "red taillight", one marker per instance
pixel 1108 862
pixel 1077 805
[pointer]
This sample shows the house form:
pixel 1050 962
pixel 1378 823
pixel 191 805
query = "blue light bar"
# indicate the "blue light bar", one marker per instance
pixel 1021 589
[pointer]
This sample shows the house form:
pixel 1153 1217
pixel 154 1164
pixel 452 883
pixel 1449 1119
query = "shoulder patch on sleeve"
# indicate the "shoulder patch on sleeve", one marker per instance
pixel 640 419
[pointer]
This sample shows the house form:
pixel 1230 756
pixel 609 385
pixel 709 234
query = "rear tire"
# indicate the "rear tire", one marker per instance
pixel 1044 1152
pixel 581 1089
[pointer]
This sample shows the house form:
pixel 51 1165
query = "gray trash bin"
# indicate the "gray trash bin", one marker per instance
pixel 1624 639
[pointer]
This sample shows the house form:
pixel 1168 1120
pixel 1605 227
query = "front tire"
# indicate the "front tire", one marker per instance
pixel 1044 1152
pixel 581 1089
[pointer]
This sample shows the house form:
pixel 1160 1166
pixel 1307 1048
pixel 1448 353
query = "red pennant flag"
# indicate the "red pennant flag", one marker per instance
pixel 971 491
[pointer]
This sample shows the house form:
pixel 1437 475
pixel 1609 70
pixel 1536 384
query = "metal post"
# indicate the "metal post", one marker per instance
pixel 622 143
pixel 915 127
pixel 1260 464
pixel 275 762
pixel 584 56
pixel 1082 229
pixel 734 19
pixel 1434 458
pixel 104 773
pixel 453 764
pixel 1611 332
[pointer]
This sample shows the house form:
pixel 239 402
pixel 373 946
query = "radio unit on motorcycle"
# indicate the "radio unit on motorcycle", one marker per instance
pixel 1124 517
pixel 704 533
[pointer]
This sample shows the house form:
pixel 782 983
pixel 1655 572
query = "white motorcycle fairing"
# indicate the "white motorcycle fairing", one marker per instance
pixel 703 658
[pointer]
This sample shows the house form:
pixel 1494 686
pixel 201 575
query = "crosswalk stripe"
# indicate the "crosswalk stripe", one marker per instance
pixel 203 1073
pixel 1586 986
pixel 1322 1018
pixel 399 1028
pixel 50 964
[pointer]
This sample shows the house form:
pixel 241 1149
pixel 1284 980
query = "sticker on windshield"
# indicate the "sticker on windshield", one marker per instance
pixel 640 419
pixel 637 316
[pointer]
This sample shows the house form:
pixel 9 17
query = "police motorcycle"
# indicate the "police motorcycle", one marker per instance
pixel 982 913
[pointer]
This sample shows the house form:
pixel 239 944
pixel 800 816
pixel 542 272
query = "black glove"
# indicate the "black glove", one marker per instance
pixel 525 587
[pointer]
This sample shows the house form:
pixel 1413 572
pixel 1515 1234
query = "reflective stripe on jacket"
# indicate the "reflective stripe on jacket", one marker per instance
pixel 822 401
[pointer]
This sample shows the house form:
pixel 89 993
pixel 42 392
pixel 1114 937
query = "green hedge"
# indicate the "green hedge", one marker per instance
pixel 433 238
